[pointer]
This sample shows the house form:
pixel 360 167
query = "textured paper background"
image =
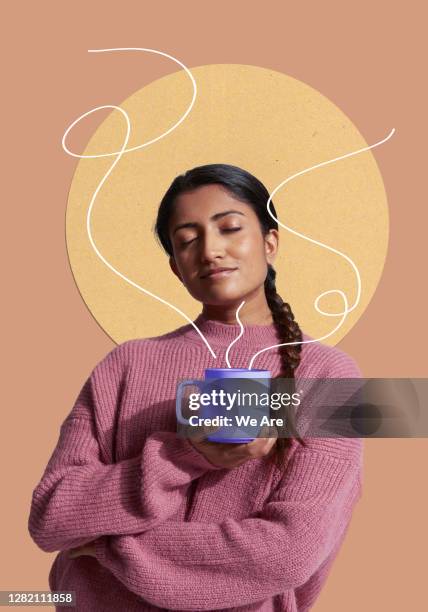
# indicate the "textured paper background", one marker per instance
pixel 368 58
pixel 272 125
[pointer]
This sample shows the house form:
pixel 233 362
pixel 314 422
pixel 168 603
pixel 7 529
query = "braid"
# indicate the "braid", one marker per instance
pixel 288 330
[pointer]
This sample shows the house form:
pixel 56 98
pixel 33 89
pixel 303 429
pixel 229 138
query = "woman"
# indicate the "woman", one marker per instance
pixel 146 519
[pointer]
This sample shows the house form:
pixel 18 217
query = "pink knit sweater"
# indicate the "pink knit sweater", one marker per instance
pixel 172 531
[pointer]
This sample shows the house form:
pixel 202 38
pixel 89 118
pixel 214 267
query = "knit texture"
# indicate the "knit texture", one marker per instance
pixel 172 531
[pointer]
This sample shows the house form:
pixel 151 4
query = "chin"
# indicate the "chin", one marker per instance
pixel 224 298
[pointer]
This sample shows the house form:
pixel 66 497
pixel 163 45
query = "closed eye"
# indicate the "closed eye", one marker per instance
pixel 226 229
pixel 187 242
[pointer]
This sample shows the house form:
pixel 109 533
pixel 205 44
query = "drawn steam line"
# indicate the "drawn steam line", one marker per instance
pixel 237 337
pixel 346 310
pixel 118 155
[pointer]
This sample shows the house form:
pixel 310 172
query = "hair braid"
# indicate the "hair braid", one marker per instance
pixel 288 330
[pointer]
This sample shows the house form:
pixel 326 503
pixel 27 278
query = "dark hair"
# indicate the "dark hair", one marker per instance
pixel 248 189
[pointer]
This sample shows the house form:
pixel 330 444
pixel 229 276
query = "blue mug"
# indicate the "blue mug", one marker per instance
pixel 220 393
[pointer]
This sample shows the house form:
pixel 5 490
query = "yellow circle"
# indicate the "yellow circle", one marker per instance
pixel 266 122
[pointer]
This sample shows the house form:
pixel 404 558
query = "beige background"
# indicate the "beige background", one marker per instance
pixel 368 59
pixel 262 120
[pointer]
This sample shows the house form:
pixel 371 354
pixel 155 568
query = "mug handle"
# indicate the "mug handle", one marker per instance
pixel 180 390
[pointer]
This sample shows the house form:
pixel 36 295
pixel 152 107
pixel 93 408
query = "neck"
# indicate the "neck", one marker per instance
pixel 255 311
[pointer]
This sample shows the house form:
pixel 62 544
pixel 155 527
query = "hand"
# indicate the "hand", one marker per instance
pixel 86 549
pixel 230 455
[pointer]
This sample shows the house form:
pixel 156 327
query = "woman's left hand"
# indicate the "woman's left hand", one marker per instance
pixel 86 549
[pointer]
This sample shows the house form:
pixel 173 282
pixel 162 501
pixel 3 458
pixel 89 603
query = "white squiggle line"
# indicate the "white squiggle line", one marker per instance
pixel 347 310
pixel 118 155
pixel 148 142
pixel 237 338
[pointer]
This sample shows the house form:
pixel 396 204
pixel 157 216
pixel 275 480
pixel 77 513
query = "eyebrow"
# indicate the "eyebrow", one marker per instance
pixel 213 218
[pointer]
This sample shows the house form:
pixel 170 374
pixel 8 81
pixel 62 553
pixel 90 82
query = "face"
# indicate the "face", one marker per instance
pixel 219 251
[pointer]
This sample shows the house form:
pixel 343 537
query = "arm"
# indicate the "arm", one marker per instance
pixel 209 566
pixel 81 497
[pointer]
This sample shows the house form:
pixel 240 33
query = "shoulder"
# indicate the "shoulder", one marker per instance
pixel 320 360
pixel 127 352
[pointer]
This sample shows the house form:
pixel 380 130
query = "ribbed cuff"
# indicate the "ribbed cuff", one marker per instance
pixel 196 458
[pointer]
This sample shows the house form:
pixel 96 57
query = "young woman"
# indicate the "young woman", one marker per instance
pixel 145 519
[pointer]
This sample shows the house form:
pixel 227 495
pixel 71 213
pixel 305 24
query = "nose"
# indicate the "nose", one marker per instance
pixel 212 247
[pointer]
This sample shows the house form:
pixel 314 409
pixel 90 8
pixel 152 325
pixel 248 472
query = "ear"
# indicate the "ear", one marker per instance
pixel 271 245
pixel 174 268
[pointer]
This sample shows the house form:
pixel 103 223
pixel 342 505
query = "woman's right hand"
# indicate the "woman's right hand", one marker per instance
pixel 230 455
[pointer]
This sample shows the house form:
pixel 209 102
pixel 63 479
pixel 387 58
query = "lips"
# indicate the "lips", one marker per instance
pixel 218 272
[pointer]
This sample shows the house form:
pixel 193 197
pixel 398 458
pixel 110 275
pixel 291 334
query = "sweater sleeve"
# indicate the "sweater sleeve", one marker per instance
pixel 209 566
pixel 81 496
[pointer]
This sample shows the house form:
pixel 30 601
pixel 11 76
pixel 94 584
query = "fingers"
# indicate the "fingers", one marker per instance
pixel 268 432
pixel 230 454
pixel 260 450
pixel 263 444
pixel 198 434
pixel 258 447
